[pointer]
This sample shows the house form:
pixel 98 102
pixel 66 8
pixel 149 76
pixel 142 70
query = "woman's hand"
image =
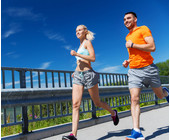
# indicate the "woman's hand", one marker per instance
pixel 73 53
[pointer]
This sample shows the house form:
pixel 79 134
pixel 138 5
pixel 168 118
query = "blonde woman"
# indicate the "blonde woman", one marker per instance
pixel 85 76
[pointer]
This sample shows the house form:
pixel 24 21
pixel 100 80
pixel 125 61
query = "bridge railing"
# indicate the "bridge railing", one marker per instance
pixel 41 78
pixel 34 101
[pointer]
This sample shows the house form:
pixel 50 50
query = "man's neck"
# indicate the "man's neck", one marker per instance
pixel 130 30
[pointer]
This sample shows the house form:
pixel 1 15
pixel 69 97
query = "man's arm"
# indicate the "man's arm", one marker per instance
pixel 148 47
pixel 126 63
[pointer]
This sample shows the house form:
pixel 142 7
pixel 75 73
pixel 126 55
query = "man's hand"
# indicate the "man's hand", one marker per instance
pixel 128 44
pixel 72 75
pixel 126 63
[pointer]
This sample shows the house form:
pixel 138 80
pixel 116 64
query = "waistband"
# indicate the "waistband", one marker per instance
pixel 83 72
pixel 151 65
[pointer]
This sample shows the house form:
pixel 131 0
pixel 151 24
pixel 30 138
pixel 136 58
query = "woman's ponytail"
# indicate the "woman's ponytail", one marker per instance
pixel 90 35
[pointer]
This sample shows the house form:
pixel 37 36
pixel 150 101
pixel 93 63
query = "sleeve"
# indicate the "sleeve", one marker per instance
pixel 145 31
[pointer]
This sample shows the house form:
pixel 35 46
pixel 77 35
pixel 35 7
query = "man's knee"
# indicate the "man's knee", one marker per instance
pixel 135 95
pixel 135 99
pixel 159 92
pixel 76 105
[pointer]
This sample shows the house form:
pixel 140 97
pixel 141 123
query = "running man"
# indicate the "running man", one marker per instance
pixel 142 72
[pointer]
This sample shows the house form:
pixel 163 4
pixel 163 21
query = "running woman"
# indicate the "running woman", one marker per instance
pixel 85 76
pixel 140 44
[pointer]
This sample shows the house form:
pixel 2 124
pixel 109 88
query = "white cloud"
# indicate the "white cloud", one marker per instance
pixel 45 65
pixel 25 13
pixel 55 36
pixel 111 69
pixel 12 55
pixel 19 13
pixel 8 33
pixel 13 29
pixel 68 47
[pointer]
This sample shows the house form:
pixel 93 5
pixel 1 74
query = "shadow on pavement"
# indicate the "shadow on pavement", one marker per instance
pixel 160 131
pixel 126 132
pixel 119 133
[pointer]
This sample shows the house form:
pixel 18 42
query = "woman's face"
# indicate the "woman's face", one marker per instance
pixel 80 32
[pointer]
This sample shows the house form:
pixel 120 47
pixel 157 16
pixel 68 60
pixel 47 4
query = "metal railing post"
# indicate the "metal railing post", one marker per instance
pixel 24 108
pixel 156 100
pixel 93 111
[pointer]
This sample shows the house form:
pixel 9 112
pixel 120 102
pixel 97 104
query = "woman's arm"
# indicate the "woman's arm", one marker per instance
pixel 90 49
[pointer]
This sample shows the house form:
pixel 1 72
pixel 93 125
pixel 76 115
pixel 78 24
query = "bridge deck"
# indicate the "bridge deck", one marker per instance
pixel 154 126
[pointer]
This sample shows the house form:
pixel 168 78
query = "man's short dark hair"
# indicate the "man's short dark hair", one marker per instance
pixel 133 13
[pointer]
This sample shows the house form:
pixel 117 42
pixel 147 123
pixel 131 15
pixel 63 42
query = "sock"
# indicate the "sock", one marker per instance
pixel 137 130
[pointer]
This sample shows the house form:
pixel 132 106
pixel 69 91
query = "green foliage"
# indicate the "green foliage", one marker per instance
pixel 163 67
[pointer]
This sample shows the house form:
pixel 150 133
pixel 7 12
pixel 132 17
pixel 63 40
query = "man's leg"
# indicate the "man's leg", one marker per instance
pixel 135 106
pixel 160 93
pixel 135 111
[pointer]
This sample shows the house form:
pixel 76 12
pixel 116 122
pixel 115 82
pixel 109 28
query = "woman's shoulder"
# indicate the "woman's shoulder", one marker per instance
pixel 88 42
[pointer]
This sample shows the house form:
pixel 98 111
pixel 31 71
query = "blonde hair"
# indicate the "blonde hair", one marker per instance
pixel 89 35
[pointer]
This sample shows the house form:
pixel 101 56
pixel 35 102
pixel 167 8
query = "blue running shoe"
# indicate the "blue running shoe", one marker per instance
pixel 167 97
pixel 135 136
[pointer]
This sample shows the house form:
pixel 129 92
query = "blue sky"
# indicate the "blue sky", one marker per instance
pixel 40 33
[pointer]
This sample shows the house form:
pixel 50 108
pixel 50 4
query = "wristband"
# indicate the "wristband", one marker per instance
pixel 132 45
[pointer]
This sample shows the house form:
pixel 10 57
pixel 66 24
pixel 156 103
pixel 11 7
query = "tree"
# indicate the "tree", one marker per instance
pixel 163 67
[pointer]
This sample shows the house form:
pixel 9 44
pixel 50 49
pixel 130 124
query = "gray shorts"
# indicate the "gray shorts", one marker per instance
pixel 145 76
pixel 87 78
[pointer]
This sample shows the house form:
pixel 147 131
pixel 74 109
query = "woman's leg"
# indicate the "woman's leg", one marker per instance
pixel 94 93
pixel 77 93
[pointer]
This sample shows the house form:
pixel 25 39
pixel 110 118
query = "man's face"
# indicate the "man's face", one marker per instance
pixel 130 21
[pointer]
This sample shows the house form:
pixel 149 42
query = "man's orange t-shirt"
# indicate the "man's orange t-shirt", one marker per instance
pixel 139 58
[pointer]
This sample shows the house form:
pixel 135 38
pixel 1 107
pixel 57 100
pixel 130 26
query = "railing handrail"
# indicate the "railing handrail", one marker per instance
pixel 33 69
pixel 20 97
pixel 17 97
pixel 47 70
pixel 40 78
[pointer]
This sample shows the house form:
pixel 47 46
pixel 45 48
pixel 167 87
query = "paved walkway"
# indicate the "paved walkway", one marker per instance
pixel 154 126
